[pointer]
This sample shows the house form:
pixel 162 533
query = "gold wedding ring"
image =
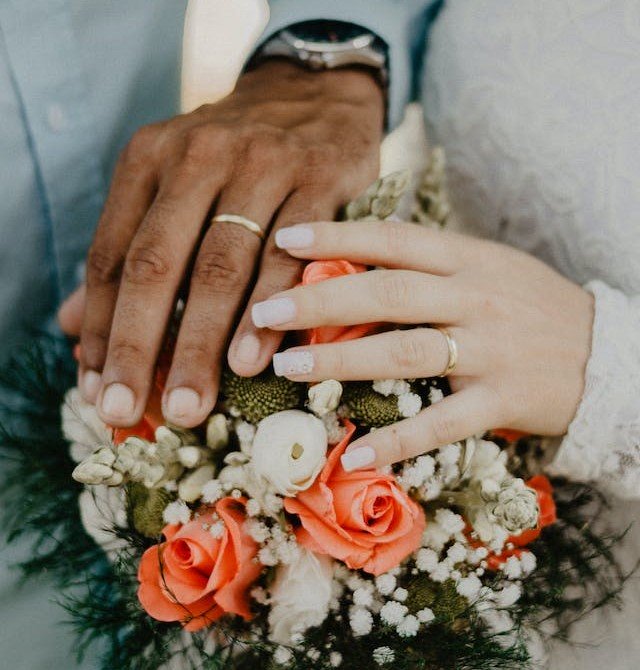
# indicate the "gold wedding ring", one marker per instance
pixel 250 225
pixel 453 352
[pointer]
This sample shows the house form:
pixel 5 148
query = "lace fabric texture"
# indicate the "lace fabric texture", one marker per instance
pixel 537 105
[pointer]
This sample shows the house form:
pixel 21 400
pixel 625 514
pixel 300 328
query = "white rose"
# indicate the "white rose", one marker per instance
pixel 325 397
pixel 300 596
pixel 289 450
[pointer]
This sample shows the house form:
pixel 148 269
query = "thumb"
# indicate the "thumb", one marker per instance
pixel 71 312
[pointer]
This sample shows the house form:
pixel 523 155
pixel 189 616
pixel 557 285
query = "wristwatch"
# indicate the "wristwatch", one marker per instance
pixel 326 45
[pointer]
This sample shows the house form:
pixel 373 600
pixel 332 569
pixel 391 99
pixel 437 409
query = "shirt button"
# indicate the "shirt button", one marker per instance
pixel 57 117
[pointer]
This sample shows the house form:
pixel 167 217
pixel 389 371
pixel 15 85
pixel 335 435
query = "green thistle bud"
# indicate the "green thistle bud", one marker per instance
pixel 145 507
pixel 443 599
pixel 369 407
pixel 258 397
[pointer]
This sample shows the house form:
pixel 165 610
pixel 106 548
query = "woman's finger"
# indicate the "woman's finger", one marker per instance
pixel 399 354
pixel 394 296
pixel 458 416
pixel 385 243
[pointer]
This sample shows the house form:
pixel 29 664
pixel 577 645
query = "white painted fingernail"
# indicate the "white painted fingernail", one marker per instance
pixel 90 383
pixel 293 363
pixel 273 312
pixel 296 237
pixel 182 403
pixel 118 402
pixel 248 349
pixel 362 457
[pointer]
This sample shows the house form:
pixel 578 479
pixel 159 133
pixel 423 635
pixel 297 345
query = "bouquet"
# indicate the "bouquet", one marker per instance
pixel 244 543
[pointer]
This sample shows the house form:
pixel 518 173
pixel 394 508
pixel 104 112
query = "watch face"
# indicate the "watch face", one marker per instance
pixel 332 32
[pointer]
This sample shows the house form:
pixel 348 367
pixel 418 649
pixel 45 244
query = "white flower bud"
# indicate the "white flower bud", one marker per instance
pixel 104 456
pixel 167 438
pixel 325 397
pixel 190 457
pixel 190 488
pixel 217 432
pixel 90 472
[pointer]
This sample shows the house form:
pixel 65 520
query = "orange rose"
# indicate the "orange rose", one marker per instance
pixel 318 271
pixel 362 518
pixel 195 577
pixel 508 434
pixel 547 515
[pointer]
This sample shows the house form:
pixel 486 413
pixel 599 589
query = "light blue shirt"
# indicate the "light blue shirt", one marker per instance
pixel 77 77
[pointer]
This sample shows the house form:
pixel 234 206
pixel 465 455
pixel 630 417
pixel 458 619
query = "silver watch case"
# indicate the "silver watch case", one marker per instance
pixel 326 55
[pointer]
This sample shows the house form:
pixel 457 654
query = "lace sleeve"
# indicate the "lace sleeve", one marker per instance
pixel 603 441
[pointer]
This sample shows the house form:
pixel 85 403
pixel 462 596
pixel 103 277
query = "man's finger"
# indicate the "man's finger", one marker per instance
pixel 153 270
pixel 71 312
pixel 223 270
pixel 252 348
pixel 132 192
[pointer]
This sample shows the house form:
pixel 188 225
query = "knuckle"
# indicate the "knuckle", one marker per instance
pixel 198 149
pixel 336 363
pixel 320 162
pixel 126 355
pixel 279 271
pixel 104 266
pixel 140 145
pixel 400 448
pixel 407 352
pixel 442 427
pixel 393 289
pixel 218 268
pixel 194 355
pixel 94 338
pixel 147 265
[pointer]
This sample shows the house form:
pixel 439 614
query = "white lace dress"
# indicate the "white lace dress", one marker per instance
pixel 537 103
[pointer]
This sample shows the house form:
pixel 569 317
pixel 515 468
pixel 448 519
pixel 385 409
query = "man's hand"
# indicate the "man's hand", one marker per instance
pixel 287 146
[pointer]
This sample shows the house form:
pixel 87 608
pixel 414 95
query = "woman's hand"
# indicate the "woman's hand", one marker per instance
pixel 522 331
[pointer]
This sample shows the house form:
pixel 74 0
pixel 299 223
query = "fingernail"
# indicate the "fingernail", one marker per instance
pixel 273 312
pixel 248 349
pixel 118 402
pixel 362 457
pixel 296 237
pixel 182 403
pixel 90 382
pixel 293 363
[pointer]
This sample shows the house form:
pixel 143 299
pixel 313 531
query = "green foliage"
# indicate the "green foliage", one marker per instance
pixel 577 571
